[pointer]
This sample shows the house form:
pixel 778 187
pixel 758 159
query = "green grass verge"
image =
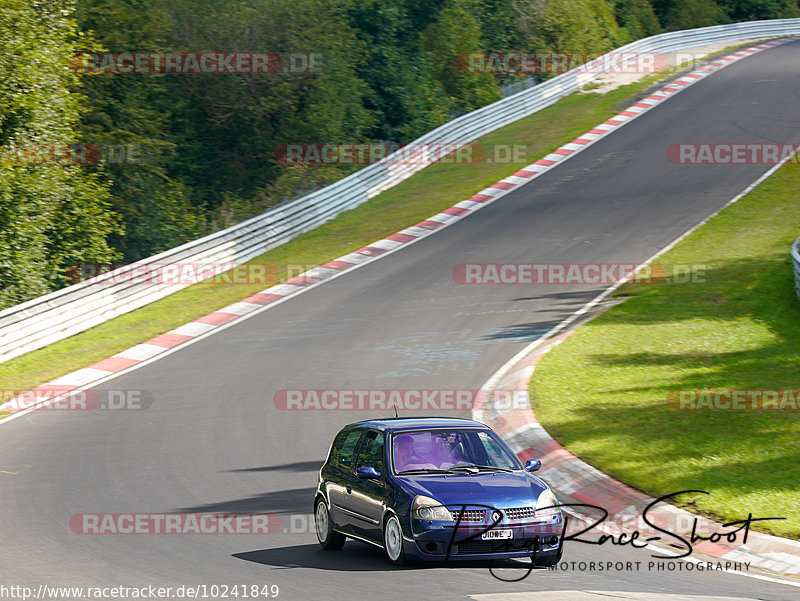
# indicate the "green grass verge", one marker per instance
pixel 430 191
pixel 602 393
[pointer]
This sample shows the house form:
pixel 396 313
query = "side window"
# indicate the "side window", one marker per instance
pixel 371 454
pixel 494 453
pixel 343 454
pixel 336 446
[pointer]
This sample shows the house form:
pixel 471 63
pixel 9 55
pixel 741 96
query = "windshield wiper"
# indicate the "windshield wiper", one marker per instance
pixel 423 471
pixel 473 466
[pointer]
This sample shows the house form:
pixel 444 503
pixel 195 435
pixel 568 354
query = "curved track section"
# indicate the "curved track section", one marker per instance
pixel 213 439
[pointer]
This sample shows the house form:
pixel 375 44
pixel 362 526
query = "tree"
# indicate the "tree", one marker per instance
pixel 52 212
pixel 570 25
pixel 229 125
pixel 454 33
pixel 403 95
pixel 689 14
pixel 129 120
pixel 637 17
pixel 748 10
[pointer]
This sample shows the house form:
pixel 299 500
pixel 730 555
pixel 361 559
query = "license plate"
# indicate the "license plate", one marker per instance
pixel 497 535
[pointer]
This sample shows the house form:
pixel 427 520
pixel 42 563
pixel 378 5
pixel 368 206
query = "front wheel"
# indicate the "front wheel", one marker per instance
pixel 327 537
pixel 393 541
pixel 546 562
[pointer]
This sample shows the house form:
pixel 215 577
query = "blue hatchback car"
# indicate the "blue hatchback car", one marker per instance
pixel 435 489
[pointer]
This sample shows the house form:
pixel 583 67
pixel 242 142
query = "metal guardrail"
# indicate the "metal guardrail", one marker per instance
pixel 796 265
pixel 52 317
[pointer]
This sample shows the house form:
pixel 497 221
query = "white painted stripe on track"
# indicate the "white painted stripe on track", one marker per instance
pixel 140 352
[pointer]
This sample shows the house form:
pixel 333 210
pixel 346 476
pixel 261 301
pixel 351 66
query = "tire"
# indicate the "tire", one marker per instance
pixel 546 562
pixel 328 538
pixel 393 541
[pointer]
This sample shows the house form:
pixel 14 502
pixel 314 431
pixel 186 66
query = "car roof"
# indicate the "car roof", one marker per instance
pixel 405 424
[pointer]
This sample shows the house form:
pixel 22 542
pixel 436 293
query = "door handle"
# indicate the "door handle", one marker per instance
pixel 349 489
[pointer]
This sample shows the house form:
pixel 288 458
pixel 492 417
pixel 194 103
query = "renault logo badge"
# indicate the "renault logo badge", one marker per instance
pixel 496 516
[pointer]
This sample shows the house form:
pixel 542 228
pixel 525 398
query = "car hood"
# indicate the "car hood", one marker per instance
pixel 498 489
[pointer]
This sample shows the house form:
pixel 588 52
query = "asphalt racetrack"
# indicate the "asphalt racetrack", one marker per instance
pixel 213 439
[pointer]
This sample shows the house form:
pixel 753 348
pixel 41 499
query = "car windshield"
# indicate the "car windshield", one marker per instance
pixel 467 451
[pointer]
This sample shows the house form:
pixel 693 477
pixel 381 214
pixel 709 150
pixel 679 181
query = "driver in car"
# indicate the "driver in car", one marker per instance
pixel 404 457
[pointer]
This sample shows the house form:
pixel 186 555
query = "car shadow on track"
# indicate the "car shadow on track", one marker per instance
pixel 359 557
pixel 355 557
pixel 551 308
pixel 278 501
pixel 302 466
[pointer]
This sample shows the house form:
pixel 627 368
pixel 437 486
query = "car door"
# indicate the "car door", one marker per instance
pixel 339 476
pixel 367 499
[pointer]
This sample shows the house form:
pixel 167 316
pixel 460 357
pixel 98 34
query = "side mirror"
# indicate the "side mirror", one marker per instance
pixel 532 465
pixel 368 473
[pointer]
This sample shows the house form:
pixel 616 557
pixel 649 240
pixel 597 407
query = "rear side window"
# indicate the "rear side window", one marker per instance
pixel 371 454
pixel 336 445
pixel 344 448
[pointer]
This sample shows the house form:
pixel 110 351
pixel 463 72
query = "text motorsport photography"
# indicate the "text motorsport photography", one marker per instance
pixel 645 531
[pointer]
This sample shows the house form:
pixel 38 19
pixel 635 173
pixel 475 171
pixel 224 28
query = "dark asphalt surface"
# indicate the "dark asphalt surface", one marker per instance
pixel 214 441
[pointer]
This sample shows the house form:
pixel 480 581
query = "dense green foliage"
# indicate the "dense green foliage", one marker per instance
pixel 179 155
pixel 51 215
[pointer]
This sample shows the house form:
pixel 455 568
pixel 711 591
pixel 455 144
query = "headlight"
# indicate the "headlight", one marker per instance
pixel 547 504
pixel 425 508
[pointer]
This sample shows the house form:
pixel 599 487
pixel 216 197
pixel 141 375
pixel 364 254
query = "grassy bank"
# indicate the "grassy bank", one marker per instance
pixel 736 326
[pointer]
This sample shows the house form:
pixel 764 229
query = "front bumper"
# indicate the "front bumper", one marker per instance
pixel 439 541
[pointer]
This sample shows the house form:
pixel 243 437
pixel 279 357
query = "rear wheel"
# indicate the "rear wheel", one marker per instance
pixel 327 537
pixel 393 541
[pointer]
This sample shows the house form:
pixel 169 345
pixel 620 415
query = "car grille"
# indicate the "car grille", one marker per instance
pixel 520 513
pixel 469 515
pixel 473 547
